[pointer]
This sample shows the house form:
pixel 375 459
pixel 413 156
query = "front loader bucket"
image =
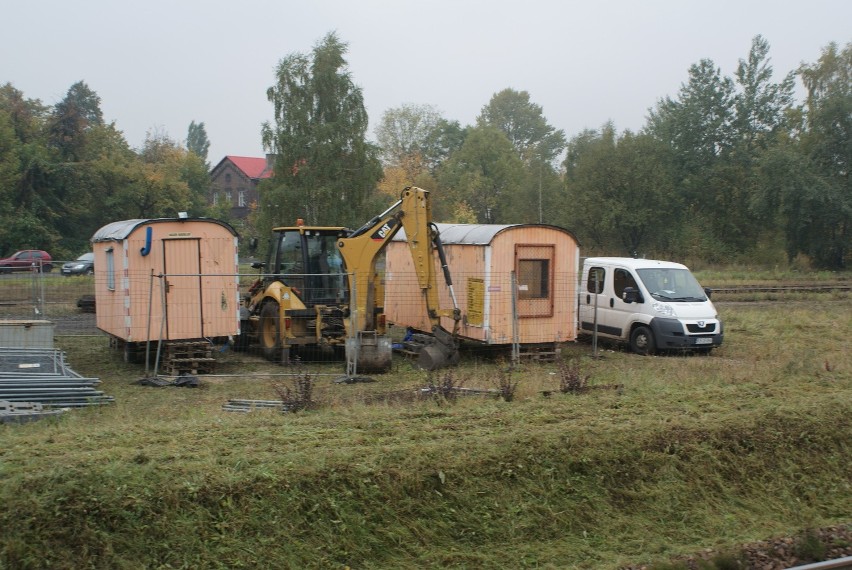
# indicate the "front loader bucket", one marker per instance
pixel 372 353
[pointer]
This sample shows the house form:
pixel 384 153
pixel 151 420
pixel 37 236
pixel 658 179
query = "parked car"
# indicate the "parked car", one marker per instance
pixel 27 260
pixel 83 265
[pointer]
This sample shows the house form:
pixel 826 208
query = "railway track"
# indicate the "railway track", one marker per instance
pixel 783 288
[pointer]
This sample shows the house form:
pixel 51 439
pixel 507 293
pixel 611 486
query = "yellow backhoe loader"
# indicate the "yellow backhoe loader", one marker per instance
pixel 320 287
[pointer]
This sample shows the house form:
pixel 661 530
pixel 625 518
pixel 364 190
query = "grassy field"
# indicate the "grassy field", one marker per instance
pixel 689 453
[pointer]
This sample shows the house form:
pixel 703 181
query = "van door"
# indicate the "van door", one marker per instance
pixel 620 314
pixel 605 287
pixel 594 301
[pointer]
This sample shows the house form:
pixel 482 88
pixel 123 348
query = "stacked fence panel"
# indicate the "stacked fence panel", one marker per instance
pixel 42 376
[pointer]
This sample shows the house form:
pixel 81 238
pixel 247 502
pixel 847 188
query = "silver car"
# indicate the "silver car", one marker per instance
pixel 83 265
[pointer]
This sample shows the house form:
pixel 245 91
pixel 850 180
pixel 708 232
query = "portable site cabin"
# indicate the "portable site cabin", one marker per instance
pixel 485 260
pixel 166 279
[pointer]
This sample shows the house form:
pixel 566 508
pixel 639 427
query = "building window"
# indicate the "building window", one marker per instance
pixel 242 199
pixel 228 198
pixel 215 198
pixel 228 178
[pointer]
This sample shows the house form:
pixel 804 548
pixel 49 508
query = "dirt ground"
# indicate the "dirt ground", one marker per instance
pixel 816 545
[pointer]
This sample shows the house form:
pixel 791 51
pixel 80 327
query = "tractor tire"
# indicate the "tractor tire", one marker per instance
pixel 642 341
pixel 269 332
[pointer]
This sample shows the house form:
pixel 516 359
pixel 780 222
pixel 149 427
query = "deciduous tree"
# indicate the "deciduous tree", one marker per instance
pixel 827 143
pixel 485 173
pixel 197 141
pixel 620 191
pixel 524 125
pixel 72 117
pixel 325 170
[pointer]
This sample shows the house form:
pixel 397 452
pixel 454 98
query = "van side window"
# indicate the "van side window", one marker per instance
pixel 595 282
pixel 622 278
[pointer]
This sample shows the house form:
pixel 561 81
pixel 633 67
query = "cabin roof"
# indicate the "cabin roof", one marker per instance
pixel 117 231
pixel 478 234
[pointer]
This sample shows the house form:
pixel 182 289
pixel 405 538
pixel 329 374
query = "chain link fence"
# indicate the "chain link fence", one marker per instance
pixel 497 310
pixel 66 301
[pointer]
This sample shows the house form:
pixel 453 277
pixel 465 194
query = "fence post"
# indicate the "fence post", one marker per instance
pixel 148 333
pixel 352 335
pixel 163 283
pixel 516 346
pixel 38 290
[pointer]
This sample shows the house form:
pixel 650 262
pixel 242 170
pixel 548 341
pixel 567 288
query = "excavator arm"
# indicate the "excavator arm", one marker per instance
pixel 361 249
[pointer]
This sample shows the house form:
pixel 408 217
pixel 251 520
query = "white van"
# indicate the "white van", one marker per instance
pixel 651 305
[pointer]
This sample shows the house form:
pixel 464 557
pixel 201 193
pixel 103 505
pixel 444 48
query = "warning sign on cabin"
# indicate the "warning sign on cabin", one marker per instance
pixel 475 301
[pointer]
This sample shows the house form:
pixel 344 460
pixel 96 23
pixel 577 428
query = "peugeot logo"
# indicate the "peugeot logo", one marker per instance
pixel 701 324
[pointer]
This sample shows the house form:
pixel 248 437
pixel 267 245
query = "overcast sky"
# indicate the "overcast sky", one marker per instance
pixel 158 65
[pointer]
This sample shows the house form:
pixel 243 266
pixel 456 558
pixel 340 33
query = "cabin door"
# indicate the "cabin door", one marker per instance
pixel 184 294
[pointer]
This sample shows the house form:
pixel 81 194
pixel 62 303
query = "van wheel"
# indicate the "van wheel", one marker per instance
pixel 268 334
pixel 642 341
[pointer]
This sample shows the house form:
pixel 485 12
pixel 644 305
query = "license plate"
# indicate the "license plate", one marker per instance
pixel 704 340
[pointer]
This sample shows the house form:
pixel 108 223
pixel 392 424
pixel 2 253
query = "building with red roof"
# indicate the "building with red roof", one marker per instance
pixel 235 180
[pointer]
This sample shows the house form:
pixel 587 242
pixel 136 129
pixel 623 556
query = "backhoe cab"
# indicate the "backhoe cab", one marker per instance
pixel 320 287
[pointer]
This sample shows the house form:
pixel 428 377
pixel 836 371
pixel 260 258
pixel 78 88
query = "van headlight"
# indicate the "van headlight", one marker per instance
pixel 663 309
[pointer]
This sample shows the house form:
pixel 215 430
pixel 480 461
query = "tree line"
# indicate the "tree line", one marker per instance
pixel 728 170
pixel 65 172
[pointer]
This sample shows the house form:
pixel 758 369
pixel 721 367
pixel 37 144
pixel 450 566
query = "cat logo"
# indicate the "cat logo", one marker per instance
pixel 383 232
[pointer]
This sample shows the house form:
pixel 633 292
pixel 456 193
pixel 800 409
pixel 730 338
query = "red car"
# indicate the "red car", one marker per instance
pixel 27 260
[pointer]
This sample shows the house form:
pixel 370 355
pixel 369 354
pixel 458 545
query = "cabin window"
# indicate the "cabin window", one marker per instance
pixel 533 278
pixel 110 272
pixel 534 270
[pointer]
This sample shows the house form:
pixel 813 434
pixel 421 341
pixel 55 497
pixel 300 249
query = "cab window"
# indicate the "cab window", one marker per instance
pixel 290 256
pixel 621 279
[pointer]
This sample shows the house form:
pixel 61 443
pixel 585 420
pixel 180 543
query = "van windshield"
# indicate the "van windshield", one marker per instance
pixel 671 284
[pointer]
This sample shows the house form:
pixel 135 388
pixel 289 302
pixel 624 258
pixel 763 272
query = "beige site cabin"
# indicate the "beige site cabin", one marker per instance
pixel 482 259
pixel 166 279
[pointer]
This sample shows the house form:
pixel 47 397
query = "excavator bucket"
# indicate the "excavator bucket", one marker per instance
pixel 440 351
pixel 433 357
pixel 372 353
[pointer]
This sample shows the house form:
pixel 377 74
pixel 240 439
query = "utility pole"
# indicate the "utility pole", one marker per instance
pixel 540 166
